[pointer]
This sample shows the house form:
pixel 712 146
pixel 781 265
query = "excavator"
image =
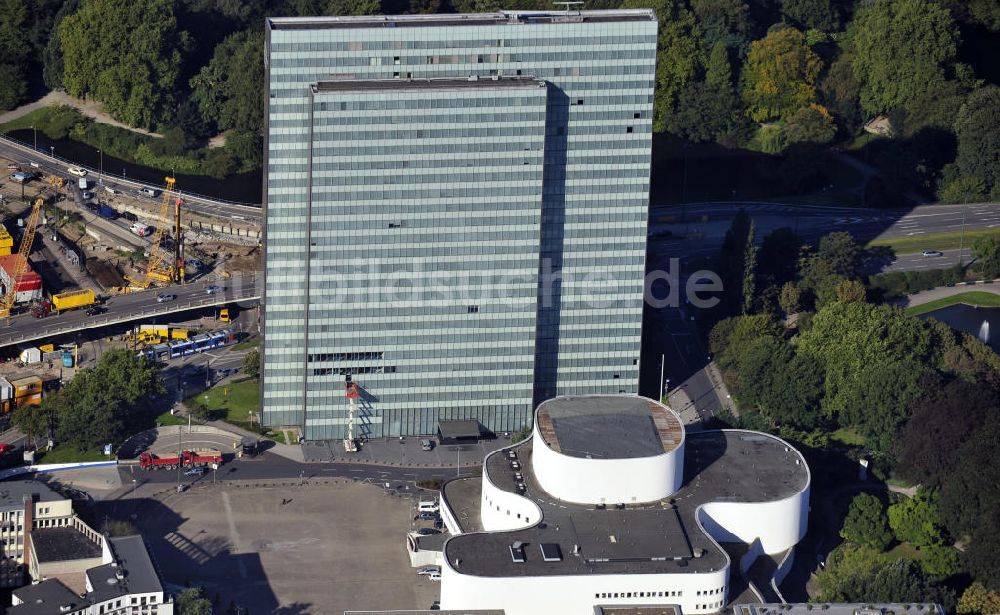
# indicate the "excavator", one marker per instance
pixel 161 268
pixel 21 263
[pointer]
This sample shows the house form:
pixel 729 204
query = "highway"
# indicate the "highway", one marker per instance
pixel 133 306
pixel 50 165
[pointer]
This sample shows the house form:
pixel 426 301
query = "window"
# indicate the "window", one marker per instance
pixel 579 101
pixel 473 309
pixel 636 115
pixel 628 130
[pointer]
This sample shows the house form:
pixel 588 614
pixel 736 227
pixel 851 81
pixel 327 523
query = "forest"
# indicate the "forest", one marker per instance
pixel 791 78
pixel 811 350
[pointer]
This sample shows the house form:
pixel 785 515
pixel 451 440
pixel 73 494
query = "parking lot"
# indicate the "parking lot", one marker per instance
pixel 320 548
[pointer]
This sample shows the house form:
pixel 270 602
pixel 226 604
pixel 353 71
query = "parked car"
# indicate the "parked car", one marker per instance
pixel 426 444
pixel 426 516
pixel 426 570
pixel 211 290
pixel 932 253
pixel 95 310
pixel 435 576
pixel 77 171
pixel 131 217
pixel 112 190
pixel 163 298
pixel 195 472
pixel 94 207
pixel 87 195
pixel 147 191
pixel 428 531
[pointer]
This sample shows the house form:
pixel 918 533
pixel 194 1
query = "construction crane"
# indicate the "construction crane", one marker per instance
pixel 351 389
pixel 161 267
pixel 21 263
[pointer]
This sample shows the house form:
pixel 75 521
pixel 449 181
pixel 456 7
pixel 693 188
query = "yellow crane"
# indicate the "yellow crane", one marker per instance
pixel 160 269
pixel 21 264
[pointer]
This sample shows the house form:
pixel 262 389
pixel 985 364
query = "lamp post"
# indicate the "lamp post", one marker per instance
pixel 34 131
pixel 961 243
pixel 100 176
pixel 52 150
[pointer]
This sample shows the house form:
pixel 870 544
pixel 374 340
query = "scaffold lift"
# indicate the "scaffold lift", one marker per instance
pixel 351 391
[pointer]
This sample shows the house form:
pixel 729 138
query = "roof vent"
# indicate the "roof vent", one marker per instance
pixel 111 581
pixel 66 608
pixel 473 77
pixel 551 552
pixel 517 552
pixel 119 574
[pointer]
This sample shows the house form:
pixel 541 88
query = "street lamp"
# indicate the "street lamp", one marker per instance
pixel 34 131
pixel 100 176
pixel 52 150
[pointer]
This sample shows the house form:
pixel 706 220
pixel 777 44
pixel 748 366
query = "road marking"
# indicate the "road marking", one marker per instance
pixel 234 536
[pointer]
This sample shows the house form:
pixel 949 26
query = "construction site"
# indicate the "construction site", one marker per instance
pixel 72 244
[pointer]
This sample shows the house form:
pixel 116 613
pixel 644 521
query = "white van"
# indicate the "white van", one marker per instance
pixel 428 506
pixel 140 229
pixel 82 183
pixel 147 191
pixel 111 190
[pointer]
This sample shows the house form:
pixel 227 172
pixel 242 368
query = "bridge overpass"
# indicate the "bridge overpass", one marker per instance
pixel 132 307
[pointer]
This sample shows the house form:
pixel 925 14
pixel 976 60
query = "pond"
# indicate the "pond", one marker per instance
pixel 242 188
pixel 983 323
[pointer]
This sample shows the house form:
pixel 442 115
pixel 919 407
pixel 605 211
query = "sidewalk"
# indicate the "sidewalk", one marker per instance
pixel 404 452
pixel 288 451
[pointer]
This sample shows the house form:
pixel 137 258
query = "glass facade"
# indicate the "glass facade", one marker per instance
pixel 465 247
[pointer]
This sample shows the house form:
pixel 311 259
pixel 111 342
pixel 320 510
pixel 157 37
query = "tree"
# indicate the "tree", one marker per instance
pixel 723 21
pixel 840 92
pixel 841 253
pixel 679 56
pixel 779 76
pixel 783 386
pixel 229 89
pixel 14 53
pixel 709 109
pixel 902 49
pixel 790 297
pixel 986 252
pixel 52 56
pixel 977 127
pixel 812 124
pixel 861 574
pixel 916 520
pixel 251 363
pixel 963 189
pixel 850 291
pixel 942 421
pixel 131 63
pixel 866 523
pixel 778 258
pixel 977 600
pixel 806 14
pixel 941 561
pixel 193 601
pixel 101 405
pixel 982 555
pixel 731 337
pixel 749 269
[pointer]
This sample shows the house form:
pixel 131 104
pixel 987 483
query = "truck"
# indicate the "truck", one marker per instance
pixel 196 458
pixel 107 212
pixel 140 229
pixel 73 299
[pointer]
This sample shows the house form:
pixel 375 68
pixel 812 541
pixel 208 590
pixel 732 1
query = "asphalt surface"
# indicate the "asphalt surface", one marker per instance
pixel 53 166
pixel 133 306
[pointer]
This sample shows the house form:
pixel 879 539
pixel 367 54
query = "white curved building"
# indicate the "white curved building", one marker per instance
pixel 610 503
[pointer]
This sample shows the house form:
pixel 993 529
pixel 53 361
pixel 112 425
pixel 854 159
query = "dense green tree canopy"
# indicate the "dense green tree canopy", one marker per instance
pixel 193 601
pixel 130 62
pixel 228 89
pixel 818 14
pixel 916 520
pixel 902 49
pixel 14 51
pixel 866 523
pixel 783 386
pixel 780 75
pixel 977 127
pixel 862 574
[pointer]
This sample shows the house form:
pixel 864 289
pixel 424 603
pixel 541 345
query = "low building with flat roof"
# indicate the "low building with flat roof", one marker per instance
pixel 844 608
pixel 610 505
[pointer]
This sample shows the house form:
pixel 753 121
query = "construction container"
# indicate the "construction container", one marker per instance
pixel 30 355
pixel 27 386
pixel 6 242
pixel 67 358
pixel 6 390
pixel 73 299
pixel 46 348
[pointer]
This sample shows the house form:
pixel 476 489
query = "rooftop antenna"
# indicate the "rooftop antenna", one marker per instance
pixel 569 5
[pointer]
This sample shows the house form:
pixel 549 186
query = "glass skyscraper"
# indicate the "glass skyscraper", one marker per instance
pixel 455 215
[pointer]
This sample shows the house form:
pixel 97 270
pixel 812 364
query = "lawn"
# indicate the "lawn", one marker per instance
pixel 951 240
pixel 236 400
pixel 255 342
pixel 848 436
pixel 905 550
pixel 977 298
pixel 68 454
pixel 37 118
pixel 170 419
pixel 279 437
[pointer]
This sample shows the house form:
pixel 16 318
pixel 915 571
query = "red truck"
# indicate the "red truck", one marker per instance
pixel 197 458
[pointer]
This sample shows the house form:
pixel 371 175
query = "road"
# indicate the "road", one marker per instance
pixel 697 230
pixel 130 307
pixel 55 166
